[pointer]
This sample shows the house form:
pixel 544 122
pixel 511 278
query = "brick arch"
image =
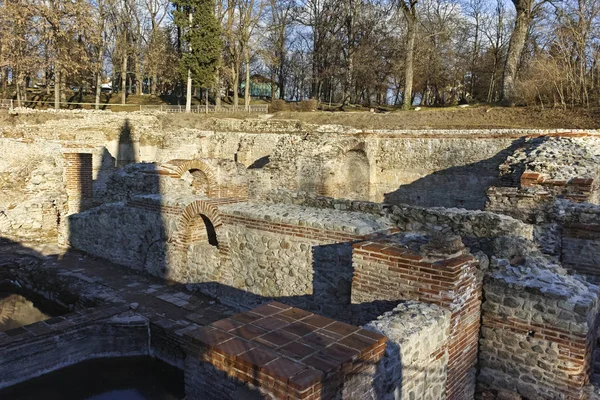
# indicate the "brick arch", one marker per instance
pixel 182 166
pixel 192 211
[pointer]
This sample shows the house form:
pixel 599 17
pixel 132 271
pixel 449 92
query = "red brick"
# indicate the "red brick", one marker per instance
pixel 283 369
pixel 306 378
pixel 296 313
pixel 277 338
pixel 248 331
pixel 340 328
pixel 297 350
pixel 322 363
pixel 257 357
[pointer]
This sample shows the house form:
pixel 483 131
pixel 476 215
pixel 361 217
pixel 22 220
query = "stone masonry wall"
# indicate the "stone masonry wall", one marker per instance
pixel 258 251
pixel 294 253
pixel 416 357
pixel 580 236
pixel 538 333
pixel 438 271
pixel 418 167
pixel 66 340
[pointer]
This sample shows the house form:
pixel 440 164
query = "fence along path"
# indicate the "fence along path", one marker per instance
pixel 10 103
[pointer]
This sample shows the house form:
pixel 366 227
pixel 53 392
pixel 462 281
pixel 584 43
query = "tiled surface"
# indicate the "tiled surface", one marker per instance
pixel 166 304
pixel 293 346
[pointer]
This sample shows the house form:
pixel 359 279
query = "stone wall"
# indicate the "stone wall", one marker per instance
pixel 538 333
pixel 417 167
pixel 32 195
pixel 49 345
pixel 491 233
pixel 295 253
pixel 414 365
pixel 241 252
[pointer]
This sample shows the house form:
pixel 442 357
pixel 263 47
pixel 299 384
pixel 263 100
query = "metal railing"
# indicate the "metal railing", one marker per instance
pixel 10 103
pixel 207 109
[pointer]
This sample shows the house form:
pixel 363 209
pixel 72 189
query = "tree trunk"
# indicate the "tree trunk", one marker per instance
pixel 247 86
pixel 47 81
pixel 63 88
pixel 515 48
pixel 272 84
pixel 281 68
pixel 153 86
pixel 188 95
pixel 18 89
pixel 218 87
pixel 56 87
pixel 218 81
pixel 236 86
pixel 124 79
pixel 408 59
pixel 99 77
pixel 138 75
pixel 281 83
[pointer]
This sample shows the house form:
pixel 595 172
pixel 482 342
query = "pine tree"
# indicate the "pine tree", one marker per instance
pixel 201 38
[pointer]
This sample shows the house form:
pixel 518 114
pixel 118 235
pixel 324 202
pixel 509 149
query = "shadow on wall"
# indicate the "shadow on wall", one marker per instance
pixel 260 163
pixel 152 235
pixel 126 151
pixel 464 186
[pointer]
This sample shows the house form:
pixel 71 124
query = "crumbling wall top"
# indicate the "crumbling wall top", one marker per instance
pixel 334 220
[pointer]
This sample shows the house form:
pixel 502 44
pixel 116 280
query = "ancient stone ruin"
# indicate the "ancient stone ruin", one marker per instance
pixel 272 259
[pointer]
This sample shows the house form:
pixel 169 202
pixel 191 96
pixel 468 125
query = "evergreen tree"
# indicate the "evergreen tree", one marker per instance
pixel 201 39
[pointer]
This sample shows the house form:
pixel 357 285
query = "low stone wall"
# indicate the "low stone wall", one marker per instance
pixel 414 365
pixel 538 334
pixel 530 205
pixel 242 252
pixel 481 230
pixel 287 252
pixel 123 235
pixel 61 341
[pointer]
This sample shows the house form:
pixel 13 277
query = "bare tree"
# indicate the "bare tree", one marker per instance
pixel 409 10
pixel 526 10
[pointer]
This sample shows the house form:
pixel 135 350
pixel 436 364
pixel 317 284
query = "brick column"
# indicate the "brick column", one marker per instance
pixel 439 271
pixel 78 181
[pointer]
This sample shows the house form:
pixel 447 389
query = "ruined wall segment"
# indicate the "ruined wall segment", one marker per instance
pixel 439 271
pixel 32 194
pixel 415 362
pixel 299 253
pixel 579 236
pixel 547 167
pixel 538 333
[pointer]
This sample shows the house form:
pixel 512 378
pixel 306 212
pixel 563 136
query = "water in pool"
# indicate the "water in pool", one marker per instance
pixel 131 378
